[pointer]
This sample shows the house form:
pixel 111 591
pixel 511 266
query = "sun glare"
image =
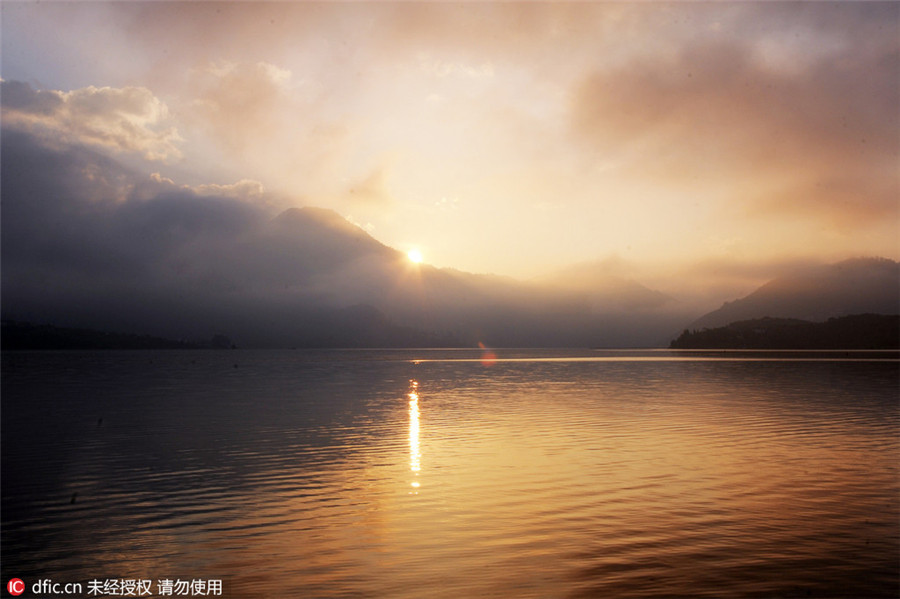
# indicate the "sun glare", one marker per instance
pixel 414 255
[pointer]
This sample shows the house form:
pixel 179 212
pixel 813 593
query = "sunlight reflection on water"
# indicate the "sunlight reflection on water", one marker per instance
pixel 415 454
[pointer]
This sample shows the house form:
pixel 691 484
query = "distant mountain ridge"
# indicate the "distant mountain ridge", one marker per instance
pixel 27 336
pixel 88 243
pixel 816 293
pixel 860 331
pixel 353 327
pixel 607 287
pixel 124 252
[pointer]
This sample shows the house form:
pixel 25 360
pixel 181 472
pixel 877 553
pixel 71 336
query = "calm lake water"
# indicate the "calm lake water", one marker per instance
pixel 441 474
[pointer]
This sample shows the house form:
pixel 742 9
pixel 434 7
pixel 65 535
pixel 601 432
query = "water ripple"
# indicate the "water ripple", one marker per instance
pixel 372 474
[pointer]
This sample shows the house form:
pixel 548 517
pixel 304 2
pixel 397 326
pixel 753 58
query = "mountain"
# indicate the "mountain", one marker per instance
pixel 88 243
pixel 859 331
pixel 606 285
pixel 816 293
pixel 26 336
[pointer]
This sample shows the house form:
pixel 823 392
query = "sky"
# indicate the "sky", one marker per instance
pixel 689 139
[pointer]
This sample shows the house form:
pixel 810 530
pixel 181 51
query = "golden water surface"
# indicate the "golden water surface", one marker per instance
pixel 445 474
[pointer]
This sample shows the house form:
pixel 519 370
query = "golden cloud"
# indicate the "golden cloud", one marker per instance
pixel 129 119
pixel 813 143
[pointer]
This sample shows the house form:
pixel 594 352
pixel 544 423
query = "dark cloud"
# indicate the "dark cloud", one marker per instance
pixel 88 242
pixel 80 231
pixel 79 211
pixel 20 96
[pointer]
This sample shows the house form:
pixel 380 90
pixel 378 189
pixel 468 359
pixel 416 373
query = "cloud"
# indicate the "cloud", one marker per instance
pixel 646 127
pixel 128 120
pixel 372 190
pixel 89 242
pixel 75 213
pixel 439 68
pixel 240 101
pixel 268 122
pixel 816 142
pixel 247 190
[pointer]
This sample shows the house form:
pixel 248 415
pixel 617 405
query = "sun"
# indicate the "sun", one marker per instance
pixel 414 255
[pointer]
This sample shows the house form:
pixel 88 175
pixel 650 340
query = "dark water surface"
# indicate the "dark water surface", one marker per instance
pixel 439 474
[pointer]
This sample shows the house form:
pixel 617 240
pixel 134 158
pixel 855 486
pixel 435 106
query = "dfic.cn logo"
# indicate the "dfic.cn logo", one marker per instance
pixel 15 586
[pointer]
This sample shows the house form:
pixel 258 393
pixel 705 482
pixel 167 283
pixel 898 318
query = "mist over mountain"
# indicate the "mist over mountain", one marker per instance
pixel 816 293
pixel 90 243
pixel 607 286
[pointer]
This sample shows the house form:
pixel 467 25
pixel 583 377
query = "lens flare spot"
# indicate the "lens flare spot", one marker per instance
pixel 488 357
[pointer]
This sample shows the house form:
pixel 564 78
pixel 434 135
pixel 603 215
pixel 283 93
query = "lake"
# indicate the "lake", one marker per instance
pixel 452 473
